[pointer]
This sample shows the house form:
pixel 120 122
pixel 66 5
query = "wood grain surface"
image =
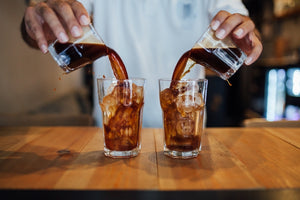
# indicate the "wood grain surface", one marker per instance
pixel 72 158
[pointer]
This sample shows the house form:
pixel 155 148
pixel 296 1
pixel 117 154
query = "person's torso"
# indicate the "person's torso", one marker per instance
pixel 150 36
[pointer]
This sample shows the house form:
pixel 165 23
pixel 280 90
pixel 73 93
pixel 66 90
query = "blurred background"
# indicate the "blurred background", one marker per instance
pixel 34 91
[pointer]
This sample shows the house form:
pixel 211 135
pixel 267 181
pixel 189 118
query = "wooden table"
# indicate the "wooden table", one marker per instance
pixel 71 158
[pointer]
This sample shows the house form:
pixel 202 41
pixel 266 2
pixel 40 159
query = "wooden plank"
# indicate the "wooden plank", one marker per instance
pixel 13 138
pixel 232 158
pixel 271 161
pixel 95 171
pixel 38 164
pixel 82 168
pixel 290 135
pixel 214 168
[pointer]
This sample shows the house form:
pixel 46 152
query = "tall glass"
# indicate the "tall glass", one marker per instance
pixel 183 107
pixel 121 102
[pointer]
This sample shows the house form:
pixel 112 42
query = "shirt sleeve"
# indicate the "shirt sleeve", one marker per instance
pixel 231 6
pixel 88 4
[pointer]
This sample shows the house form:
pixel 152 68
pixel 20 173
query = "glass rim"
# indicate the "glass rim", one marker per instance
pixel 184 80
pixel 114 79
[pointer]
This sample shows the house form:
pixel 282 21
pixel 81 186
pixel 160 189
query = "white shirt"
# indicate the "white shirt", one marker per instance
pixel 150 36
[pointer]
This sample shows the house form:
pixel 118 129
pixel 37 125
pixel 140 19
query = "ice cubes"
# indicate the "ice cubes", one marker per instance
pixel 185 126
pixel 166 98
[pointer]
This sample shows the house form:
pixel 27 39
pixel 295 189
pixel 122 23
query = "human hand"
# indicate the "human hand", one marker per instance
pixel 242 30
pixel 46 21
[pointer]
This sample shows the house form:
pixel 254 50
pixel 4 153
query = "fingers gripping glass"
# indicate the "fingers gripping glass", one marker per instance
pixel 78 52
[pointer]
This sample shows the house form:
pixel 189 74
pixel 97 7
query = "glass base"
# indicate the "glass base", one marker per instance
pixel 121 154
pixel 181 154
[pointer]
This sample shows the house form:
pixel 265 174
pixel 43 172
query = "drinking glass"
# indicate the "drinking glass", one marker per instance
pixel 121 102
pixel 183 107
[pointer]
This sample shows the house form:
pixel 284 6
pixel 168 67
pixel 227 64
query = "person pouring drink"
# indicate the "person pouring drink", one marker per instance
pixel 149 35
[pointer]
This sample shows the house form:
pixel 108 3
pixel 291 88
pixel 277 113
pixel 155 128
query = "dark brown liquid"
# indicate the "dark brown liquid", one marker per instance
pixel 183 143
pixel 122 111
pixel 121 129
pixel 123 136
pixel 81 54
pixel 206 58
pixel 182 129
